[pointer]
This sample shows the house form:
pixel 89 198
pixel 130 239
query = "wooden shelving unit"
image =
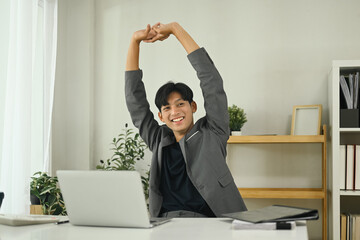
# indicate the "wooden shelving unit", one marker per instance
pixel 289 193
pixel 277 139
pixel 298 193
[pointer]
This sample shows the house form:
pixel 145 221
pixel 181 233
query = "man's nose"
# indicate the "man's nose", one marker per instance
pixel 174 111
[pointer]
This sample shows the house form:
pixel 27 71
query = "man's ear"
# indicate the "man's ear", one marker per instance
pixel 160 116
pixel 193 106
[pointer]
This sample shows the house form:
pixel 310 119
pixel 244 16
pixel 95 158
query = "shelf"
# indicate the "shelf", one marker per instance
pixel 349 129
pixel 292 193
pixel 277 139
pixel 349 193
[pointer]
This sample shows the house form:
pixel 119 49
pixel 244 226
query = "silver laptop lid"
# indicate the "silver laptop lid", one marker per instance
pixel 104 198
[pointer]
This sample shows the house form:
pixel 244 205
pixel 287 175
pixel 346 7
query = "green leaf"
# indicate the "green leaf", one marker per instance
pixel 47 190
pixel 52 199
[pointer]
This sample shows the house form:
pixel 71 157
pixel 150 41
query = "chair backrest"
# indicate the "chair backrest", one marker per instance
pixel 1 197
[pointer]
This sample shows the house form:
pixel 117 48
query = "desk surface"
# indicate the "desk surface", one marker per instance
pixel 177 228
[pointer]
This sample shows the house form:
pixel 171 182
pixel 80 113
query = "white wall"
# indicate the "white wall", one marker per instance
pixel 73 103
pixel 272 55
pixel 4 45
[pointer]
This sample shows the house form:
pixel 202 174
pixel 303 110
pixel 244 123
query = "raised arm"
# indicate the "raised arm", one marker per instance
pixel 135 94
pixel 132 61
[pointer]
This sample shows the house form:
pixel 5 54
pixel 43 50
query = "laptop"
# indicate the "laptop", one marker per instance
pixel 105 198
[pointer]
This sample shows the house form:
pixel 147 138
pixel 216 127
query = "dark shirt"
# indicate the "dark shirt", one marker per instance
pixel 177 189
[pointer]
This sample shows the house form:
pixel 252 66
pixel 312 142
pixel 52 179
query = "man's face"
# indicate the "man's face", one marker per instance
pixel 178 114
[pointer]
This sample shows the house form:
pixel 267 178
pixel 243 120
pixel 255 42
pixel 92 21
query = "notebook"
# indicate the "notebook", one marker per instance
pixel 275 213
pixel 22 220
pixel 105 198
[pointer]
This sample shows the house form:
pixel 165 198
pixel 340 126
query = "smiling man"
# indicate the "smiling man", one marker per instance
pixel 176 108
pixel 188 174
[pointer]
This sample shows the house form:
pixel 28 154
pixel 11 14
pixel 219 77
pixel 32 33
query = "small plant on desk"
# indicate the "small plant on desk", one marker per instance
pixel 45 189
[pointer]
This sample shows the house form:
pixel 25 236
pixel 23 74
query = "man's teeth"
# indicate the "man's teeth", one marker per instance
pixel 178 119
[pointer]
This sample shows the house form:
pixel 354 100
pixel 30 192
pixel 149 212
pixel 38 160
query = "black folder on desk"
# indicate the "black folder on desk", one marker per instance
pixel 275 213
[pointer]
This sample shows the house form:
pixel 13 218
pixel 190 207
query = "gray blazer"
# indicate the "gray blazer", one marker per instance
pixel 203 147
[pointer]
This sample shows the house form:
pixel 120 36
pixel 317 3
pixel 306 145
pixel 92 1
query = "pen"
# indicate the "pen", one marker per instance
pixel 283 225
pixel 61 222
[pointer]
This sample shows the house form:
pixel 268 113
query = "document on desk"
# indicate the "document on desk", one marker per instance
pixel 275 213
pixel 22 220
pixel 242 225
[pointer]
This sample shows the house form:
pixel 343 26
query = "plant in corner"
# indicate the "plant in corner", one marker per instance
pixel 45 188
pixel 237 118
pixel 128 148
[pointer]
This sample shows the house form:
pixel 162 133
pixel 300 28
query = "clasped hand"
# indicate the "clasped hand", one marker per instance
pixel 152 34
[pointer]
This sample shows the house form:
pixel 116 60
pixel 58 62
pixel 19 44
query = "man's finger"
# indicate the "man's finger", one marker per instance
pixel 147 29
pixel 154 39
pixel 156 25
pixel 150 40
pixel 163 38
pixel 152 33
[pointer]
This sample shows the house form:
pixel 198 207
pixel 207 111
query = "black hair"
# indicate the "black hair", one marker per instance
pixel 161 98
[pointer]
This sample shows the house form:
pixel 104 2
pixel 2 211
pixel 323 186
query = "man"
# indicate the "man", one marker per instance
pixel 188 174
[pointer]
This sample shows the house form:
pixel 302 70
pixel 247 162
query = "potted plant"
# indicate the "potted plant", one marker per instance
pixel 128 148
pixel 44 191
pixel 237 119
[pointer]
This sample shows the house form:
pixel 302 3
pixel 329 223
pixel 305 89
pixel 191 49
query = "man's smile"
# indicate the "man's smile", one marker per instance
pixel 177 119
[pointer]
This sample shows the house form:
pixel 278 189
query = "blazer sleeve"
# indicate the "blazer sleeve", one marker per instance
pixel 211 83
pixel 139 108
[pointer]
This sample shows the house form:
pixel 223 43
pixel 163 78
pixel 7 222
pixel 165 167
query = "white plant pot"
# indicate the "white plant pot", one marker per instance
pixel 235 133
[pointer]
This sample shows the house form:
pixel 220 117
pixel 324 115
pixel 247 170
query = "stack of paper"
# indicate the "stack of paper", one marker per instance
pixel 350 90
pixel 21 220
pixel 242 225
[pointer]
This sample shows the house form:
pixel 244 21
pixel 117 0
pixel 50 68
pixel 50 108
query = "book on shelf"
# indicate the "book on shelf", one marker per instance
pixel 357 227
pixel 349 167
pixel 342 226
pixel 357 168
pixel 349 226
pixel 356 89
pixel 343 167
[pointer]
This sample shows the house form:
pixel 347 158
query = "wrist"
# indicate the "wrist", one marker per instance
pixel 175 27
pixel 135 40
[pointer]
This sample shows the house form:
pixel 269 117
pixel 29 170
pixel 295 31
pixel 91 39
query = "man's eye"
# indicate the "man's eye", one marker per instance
pixel 166 108
pixel 180 104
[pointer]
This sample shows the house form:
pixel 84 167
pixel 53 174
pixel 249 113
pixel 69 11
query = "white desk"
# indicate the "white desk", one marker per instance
pixel 177 228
